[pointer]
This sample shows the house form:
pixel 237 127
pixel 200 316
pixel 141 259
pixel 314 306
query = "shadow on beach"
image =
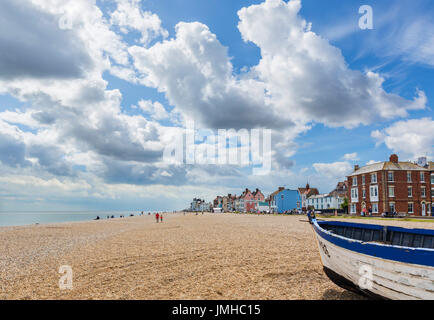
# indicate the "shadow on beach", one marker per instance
pixel 333 294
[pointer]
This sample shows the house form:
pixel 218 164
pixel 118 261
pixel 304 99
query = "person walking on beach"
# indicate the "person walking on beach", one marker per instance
pixel 157 216
pixel 161 218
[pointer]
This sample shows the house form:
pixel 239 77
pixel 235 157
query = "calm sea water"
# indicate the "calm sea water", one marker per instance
pixel 28 218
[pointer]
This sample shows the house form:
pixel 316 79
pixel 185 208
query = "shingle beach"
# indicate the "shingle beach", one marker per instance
pixel 210 256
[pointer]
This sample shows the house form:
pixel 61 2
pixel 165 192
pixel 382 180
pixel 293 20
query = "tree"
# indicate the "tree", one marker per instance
pixel 344 205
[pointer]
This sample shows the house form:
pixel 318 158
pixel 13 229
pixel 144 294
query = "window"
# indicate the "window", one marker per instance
pixel 408 176
pixel 410 207
pixel 375 208
pixel 391 191
pixel 390 177
pixel 422 177
pixel 364 193
pixel 363 179
pixel 354 194
pixel 423 192
pixel 392 206
pixel 374 178
pixel 354 181
pixel 432 178
pixel 353 208
pixel 374 191
pixel 410 192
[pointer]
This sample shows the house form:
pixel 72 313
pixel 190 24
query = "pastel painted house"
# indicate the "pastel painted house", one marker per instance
pixel 249 201
pixel 286 200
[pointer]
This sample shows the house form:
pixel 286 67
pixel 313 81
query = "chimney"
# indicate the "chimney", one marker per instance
pixel 356 167
pixel 393 158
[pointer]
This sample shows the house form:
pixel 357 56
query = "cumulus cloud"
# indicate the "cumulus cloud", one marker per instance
pixel 308 78
pixel 351 156
pixel 195 72
pixel 154 109
pixel 70 118
pixel 130 17
pixel 335 170
pixel 32 44
pixel 413 137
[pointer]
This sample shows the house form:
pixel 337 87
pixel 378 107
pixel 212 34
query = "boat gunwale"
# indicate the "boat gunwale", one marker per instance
pixel 378 227
pixel 377 246
pixel 316 223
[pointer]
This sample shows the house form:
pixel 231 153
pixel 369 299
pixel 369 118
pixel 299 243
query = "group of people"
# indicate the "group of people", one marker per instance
pixel 366 213
pixel 159 217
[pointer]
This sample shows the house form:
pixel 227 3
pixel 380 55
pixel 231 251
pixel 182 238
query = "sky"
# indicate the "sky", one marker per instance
pixel 93 92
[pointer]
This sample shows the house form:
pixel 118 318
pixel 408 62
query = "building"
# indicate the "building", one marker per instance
pixel 248 201
pixel 272 200
pixel 431 170
pixel 326 201
pixel 238 204
pixel 286 200
pixel 259 199
pixel 329 201
pixel 391 186
pixel 218 202
pixel 303 194
pixel 200 205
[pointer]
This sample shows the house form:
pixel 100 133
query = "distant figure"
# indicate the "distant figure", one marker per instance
pixel 113 217
pixel 157 216
pixel 108 217
pixel 370 211
pixel 131 215
pixel 161 217
pixel 149 213
pixel 97 218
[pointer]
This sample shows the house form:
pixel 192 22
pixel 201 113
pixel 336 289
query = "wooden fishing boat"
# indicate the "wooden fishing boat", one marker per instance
pixel 381 262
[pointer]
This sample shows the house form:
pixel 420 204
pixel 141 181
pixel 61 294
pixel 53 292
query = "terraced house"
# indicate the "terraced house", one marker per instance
pixel 392 186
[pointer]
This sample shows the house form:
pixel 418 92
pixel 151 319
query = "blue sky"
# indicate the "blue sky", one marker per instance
pixel 89 123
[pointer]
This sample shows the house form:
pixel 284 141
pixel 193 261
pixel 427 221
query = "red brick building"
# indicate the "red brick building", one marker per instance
pixel 391 186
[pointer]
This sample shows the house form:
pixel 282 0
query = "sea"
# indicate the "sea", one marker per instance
pixel 22 218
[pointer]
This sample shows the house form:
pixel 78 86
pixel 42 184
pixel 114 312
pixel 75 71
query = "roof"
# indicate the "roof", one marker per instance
pixel 387 165
pixel 319 196
pixel 308 192
pixel 275 193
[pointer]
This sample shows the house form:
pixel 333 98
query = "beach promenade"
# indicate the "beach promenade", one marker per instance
pixel 210 256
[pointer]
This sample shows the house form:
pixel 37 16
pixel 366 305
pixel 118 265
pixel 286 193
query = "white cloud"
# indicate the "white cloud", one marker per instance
pixel 414 138
pixel 371 162
pixel 335 170
pixel 351 156
pixel 71 119
pixel 155 109
pixel 129 16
